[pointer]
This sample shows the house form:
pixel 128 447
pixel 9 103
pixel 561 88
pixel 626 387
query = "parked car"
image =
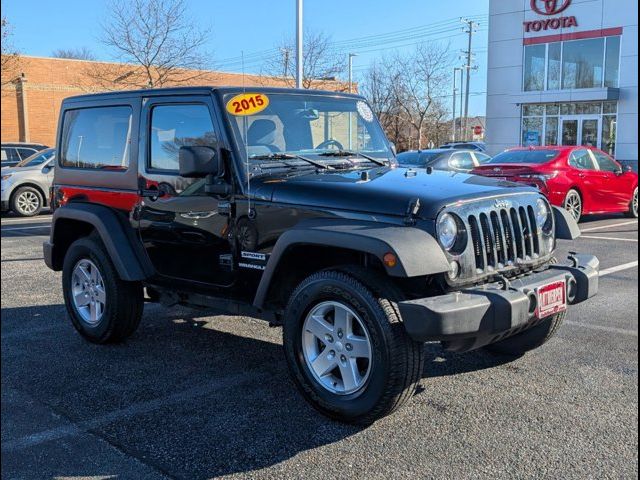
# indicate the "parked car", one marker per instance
pixel 583 180
pixel 25 187
pixel 443 159
pixel 14 153
pixel 251 201
pixel 477 146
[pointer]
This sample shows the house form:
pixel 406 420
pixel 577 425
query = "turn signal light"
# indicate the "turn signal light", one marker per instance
pixel 390 260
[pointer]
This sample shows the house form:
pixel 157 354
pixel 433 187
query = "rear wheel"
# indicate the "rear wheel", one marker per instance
pixel 103 308
pixel 573 204
pixel 347 349
pixel 26 202
pixel 633 205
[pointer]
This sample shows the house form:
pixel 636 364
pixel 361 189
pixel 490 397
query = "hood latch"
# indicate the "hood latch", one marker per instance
pixel 412 211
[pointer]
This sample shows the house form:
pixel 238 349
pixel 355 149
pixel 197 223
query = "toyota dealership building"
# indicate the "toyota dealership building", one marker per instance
pixel 564 72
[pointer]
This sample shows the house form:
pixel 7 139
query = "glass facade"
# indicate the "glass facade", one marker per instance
pixel 571 123
pixel 590 63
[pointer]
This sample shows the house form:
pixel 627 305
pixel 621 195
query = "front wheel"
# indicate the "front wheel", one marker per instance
pixel 347 349
pixel 103 307
pixel 26 202
pixel 530 339
pixel 633 205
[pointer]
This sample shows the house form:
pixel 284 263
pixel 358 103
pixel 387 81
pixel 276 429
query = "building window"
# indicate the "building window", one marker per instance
pixel 575 123
pixel 573 64
pixel 534 60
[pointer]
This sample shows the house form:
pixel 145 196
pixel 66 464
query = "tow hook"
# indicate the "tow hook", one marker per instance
pixel 504 282
pixel 574 260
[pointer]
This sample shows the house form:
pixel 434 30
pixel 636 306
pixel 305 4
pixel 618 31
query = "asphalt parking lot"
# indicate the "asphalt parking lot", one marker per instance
pixel 197 395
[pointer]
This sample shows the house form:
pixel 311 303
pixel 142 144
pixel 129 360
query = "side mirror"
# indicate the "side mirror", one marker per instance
pixel 198 162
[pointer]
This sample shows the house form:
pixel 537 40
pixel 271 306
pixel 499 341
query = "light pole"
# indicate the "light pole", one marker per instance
pixel 299 44
pixel 351 55
pixel 455 90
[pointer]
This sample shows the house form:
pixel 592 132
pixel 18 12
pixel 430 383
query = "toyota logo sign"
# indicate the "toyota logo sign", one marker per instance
pixel 549 7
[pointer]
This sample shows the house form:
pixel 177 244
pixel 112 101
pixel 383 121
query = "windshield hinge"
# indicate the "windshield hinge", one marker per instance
pixel 412 211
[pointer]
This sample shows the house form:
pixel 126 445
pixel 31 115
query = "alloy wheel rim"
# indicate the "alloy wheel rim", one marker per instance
pixel 337 348
pixel 574 205
pixel 635 202
pixel 88 292
pixel 28 202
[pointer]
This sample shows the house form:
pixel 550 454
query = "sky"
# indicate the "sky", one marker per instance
pixel 253 28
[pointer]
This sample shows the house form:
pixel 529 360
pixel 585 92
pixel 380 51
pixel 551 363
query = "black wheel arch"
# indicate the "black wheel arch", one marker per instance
pixel 77 220
pixel 416 251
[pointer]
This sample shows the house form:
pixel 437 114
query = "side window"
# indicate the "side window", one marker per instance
pixel 461 161
pixel 25 152
pixel 10 155
pixel 96 138
pixel 605 162
pixel 482 157
pixel 581 160
pixel 175 126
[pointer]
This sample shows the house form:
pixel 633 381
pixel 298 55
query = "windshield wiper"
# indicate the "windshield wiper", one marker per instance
pixel 289 156
pixel 349 153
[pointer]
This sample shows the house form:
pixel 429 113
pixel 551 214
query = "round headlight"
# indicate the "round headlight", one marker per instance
pixel 447 231
pixel 542 213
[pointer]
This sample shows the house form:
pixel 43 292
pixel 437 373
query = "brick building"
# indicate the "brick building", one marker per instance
pixel 33 91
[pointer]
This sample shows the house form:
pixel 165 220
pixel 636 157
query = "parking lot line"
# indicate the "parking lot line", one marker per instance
pixel 610 238
pixel 25 228
pixel 131 411
pixel 618 268
pixel 622 331
pixel 604 227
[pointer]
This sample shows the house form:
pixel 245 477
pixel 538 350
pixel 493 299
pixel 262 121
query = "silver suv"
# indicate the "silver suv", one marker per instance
pixel 25 186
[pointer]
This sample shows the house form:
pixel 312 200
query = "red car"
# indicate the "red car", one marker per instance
pixel 583 180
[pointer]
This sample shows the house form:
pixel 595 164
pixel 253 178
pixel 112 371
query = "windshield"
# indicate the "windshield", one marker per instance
pixel 525 156
pixel 318 127
pixel 37 159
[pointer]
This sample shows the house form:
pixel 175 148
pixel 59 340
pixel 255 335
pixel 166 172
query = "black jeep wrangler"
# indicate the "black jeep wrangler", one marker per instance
pixel 287 205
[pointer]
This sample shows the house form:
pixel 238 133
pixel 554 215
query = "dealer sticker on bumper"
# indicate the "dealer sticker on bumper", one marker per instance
pixel 552 299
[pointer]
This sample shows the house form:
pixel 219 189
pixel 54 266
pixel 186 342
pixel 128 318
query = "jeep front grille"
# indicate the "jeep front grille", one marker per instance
pixel 503 238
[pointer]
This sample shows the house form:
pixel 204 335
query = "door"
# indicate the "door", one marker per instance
pixel 580 130
pixel 184 231
pixel 617 185
pixel 584 174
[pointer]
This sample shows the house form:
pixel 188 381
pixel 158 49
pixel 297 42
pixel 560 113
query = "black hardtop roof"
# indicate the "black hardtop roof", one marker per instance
pixel 199 90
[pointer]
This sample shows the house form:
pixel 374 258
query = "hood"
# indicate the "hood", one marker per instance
pixel 386 191
pixel 14 170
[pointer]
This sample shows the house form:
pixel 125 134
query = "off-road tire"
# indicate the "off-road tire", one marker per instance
pixel 530 339
pixel 633 205
pixel 34 194
pixel 397 360
pixel 124 303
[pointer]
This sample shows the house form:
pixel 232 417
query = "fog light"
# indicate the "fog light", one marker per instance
pixel 454 270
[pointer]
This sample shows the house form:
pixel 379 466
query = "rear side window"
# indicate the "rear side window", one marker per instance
pixel 10 155
pixel 25 152
pixel 96 138
pixel 581 160
pixel 525 156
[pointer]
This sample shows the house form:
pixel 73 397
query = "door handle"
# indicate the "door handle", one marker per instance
pixel 198 215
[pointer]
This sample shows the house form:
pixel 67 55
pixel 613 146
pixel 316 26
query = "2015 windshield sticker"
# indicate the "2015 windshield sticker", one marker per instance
pixel 247 104
pixel 365 111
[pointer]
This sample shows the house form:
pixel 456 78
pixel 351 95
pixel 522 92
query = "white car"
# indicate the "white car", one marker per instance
pixel 25 186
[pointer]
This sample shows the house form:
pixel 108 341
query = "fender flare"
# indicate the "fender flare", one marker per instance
pixel 122 244
pixel 566 226
pixel 417 252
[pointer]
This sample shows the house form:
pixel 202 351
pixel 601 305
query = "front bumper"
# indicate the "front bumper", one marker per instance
pixel 478 316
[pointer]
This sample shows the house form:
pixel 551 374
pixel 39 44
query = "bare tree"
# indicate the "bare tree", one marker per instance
pixel 9 55
pixel 421 79
pixel 320 63
pixel 80 53
pixel 155 42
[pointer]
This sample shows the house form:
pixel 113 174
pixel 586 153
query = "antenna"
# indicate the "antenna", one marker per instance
pixel 246 144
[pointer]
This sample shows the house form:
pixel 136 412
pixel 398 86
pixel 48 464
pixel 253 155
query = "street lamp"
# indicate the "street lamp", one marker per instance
pixel 455 90
pixel 351 55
